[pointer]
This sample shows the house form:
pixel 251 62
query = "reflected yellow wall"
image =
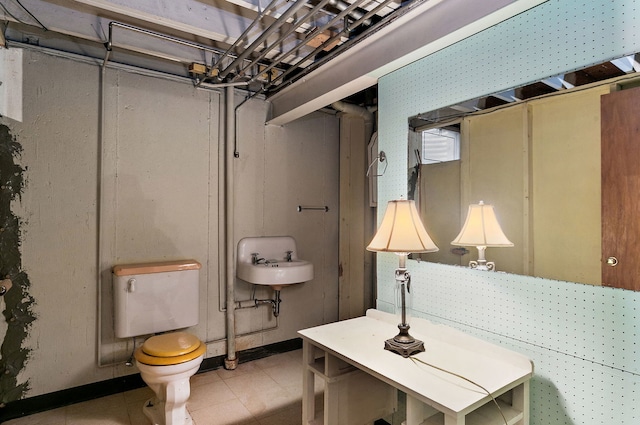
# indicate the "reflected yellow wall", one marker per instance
pixel 440 209
pixel 565 151
pixel 495 170
pixel 539 163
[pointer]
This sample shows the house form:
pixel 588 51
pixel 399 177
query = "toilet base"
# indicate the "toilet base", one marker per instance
pixel 154 410
pixel 172 389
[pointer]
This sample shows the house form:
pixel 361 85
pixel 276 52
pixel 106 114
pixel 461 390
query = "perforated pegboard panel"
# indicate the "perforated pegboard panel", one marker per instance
pixel 584 340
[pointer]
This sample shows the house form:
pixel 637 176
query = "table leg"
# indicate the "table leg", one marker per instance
pixel 308 384
pixel 417 411
pixel 331 390
pixel 520 401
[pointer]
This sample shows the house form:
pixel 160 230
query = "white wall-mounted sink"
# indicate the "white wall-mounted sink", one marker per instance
pixel 276 274
pixel 271 260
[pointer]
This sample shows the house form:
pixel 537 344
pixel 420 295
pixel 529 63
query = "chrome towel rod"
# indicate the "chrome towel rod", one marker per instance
pixel 301 208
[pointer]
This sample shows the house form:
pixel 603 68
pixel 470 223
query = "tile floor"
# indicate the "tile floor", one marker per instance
pixel 262 392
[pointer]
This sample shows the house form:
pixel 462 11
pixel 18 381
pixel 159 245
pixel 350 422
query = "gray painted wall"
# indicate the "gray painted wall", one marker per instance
pixel 161 191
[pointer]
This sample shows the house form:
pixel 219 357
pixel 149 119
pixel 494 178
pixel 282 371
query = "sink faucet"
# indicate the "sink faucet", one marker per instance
pixel 288 257
pixel 255 259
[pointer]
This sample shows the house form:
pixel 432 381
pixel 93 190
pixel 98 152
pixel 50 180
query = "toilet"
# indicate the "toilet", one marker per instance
pixel 162 299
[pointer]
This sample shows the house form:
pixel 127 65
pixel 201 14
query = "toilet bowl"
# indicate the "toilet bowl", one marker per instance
pixel 166 362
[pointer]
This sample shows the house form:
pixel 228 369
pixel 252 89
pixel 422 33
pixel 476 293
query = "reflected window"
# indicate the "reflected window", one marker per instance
pixel 440 145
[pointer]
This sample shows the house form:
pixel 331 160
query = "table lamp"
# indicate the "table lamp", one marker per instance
pixel 481 229
pixel 402 232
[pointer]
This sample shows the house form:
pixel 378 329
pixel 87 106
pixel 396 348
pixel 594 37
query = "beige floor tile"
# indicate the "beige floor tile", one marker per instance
pixel 206 395
pixel 286 375
pixel 232 413
pixel 138 396
pixel 205 378
pixel 273 361
pixel 289 416
pixel 242 369
pixel 260 394
pixel 263 392
pixel 295 356
pixel 104 417
pixel 136 416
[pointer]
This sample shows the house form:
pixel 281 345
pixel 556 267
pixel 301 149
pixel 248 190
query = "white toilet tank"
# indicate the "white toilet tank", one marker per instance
pixel 155 297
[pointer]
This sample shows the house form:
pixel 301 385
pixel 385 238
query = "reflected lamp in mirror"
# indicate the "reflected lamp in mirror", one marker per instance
pixel 402 232
pixel 481 229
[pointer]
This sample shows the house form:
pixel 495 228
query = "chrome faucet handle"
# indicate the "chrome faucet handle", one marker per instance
pixel 255 259
pixel 288 256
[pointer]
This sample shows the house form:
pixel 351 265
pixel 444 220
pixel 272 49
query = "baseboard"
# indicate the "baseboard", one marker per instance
pixel 41 403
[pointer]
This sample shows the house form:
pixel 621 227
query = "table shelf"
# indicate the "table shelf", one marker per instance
pixel 488 414
pixel 319 367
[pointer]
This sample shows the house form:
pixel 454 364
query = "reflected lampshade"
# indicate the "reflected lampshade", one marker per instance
pixel 401 230
pixel 481 228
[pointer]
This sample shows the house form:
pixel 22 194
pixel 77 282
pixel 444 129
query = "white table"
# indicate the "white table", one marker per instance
pixel 361 378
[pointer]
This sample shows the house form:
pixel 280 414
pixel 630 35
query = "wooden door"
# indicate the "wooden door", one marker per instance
pixel 621 189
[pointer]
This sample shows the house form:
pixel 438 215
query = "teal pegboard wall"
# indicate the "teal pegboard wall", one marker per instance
pixel 584 340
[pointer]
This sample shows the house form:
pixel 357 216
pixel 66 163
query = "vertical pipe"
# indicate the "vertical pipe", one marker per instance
pixel 100 199
pixel 231 362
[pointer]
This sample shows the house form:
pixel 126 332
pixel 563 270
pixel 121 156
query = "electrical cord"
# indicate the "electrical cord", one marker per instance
pixel 415 359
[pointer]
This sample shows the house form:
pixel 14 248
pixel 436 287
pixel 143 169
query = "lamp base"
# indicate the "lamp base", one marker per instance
pixel 482 265
pixel 403 343
pixel 405 350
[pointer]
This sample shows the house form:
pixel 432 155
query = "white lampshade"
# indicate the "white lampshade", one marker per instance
pixel 402 230
pixel 481 228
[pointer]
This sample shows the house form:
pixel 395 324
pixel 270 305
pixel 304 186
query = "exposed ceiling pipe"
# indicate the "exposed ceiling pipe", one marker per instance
pixel 310 37
pixel 349 108
pixel 200 82
pixel 243 35
pixel 109 43
pixel 339 48
pixel 286 34
pixel 262 37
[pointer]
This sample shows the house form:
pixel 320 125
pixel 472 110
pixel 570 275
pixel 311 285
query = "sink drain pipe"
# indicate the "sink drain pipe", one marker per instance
pixel 275 303
pixel 231 361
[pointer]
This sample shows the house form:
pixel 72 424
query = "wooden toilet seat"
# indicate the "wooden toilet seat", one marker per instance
pixel 170 349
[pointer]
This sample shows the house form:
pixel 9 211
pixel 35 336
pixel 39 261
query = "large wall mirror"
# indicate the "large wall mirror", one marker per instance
pixel 534 153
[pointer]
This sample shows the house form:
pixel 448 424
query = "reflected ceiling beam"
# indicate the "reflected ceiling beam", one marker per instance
pixel 554 82
pixel 466 107
pixel 627 64
pixel 508 96
pixel 427 28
